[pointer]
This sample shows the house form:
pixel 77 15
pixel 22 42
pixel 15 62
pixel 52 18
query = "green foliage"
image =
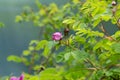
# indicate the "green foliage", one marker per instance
pixel 87 53
pixel 50 73
pixel 1 24
pixel 14 58
pixel 4 78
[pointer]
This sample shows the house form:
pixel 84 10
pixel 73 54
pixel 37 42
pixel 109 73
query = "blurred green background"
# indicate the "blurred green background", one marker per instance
pixel 15 37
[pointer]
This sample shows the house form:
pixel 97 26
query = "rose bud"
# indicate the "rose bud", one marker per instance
pixel 114 3
pixel 66 31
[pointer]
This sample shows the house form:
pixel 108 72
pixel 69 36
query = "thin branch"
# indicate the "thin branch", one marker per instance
pixel 32 61
pixel 95 67
pixel 118 24
pixel 113 65
pixel 107 35
pixel 103 29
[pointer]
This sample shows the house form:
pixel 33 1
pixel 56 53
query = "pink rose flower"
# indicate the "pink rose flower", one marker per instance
pixel 17 78
pixel 14 78
pixel 57 36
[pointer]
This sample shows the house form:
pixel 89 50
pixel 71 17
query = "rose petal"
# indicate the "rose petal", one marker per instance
pixel 13 78
pixel 21 77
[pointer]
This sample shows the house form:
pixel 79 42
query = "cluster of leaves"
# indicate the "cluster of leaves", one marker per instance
pixel 1 25
pixel 84 53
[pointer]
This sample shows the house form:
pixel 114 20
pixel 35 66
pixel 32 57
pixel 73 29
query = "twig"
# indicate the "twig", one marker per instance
pixel 96 68
pixel 103 29
pixel 113 65
pixel 32 61
pixel 118 24
pixel 105 32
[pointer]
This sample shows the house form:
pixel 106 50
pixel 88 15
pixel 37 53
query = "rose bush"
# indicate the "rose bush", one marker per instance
pixel 83 53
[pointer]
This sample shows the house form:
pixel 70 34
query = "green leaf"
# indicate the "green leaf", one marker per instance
pixel 53 8
pixel 108 73
pixel 46 51
pixel 89 33
pixel 1 24
pixel 117 34
pixel 113 20
pixel 14 58
pixel 67 56
pixel 76 1
pixel 32 42
pixel 103 44
pixel 116 47
pixel 96 22
pixel 25 61
pixel 26 52
pixel 104 56
pixel 34 78
pixel 82 25
pixel 69 21
pixel 37 67
pixel 79 55
pixel 31 48
pixel 48 47
pixel 95 11
pixel 75 25
pixel 42 12
pixel 18 18
pixel 39 5
pixel 50 74
pixel 106 17
pixel 60 57
pixel 41 44
pixel 79 39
